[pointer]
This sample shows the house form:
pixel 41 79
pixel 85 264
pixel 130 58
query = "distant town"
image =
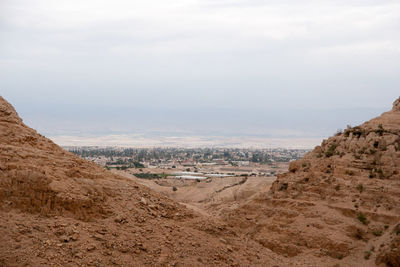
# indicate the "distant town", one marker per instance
pixel 184 162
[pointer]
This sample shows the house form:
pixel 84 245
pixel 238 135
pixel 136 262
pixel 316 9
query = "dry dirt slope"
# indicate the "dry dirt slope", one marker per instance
pixel 341 201
pixel 338 206
pixel 57 209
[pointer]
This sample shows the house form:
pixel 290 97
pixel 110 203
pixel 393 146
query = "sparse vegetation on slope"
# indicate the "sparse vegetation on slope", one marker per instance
pixel 336 200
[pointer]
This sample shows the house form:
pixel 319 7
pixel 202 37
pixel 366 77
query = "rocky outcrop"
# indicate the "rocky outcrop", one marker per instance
pixel 396 105
pixel 38 176
pixel 341 200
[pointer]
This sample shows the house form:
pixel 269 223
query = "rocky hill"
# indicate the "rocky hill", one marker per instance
pixel 341 201
pixel 338 206
pixel 59 210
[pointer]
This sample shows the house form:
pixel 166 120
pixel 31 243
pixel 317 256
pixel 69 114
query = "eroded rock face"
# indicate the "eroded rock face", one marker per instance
pixel 338 201
pixel 8 113
pixel 38 176
pixel 57 209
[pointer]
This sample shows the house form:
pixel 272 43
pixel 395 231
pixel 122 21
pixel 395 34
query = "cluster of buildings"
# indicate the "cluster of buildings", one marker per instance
pixel 174 157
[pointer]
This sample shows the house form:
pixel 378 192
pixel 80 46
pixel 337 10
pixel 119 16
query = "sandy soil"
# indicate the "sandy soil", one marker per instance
pixel 210 196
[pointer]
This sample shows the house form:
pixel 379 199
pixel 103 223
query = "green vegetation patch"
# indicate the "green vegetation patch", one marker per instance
pixel 331 151
pixel 362 218
pixel 151 175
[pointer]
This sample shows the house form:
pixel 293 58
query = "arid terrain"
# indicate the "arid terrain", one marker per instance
pixel 338 206
pixel 209 196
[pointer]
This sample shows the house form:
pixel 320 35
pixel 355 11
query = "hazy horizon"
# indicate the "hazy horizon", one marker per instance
pixel 224 68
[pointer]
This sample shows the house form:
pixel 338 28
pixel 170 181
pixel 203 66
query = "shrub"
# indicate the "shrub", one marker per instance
pixel 147 175
pixel 359 234
pixel 367 254
pixel 396 230
pixel 284 186
pixel 360 188
pixel 138 164
pixel 380 172
pixel 377 233
pixel 362 218
pixel 338 132
pixel 357 131
pixel 174 188
pixel 380 130
pixel 331 150
pixel 371 174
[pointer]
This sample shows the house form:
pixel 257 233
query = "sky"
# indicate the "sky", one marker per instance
pixel 285 68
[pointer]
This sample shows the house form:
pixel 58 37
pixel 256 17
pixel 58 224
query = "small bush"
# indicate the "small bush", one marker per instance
pixel 362 218
pixel 380 130
pixel 138 164
pixel 377 233
pixel 367 254
pixel 284 186
pixel 357 131
pixel 359 234
pixel 339 132
pixel 331 151
pixel 371 174
pixel 396 230
pixel 174 188
pixel 360 188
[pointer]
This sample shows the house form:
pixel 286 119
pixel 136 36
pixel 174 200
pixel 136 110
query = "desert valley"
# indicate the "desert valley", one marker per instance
pixel 336 206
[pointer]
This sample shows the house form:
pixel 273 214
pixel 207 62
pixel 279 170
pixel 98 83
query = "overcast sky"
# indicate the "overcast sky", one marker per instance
pixel 259 65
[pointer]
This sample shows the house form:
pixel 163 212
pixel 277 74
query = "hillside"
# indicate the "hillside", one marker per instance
pixel 338 206
pixel 341 201
pixel 57 209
